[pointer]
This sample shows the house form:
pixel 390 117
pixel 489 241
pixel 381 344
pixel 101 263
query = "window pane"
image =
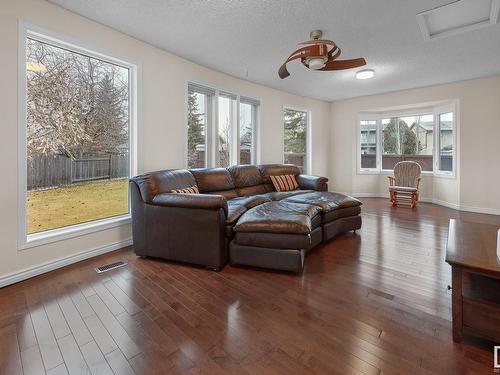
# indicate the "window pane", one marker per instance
pixel 247 124
pixel 368 144
pixel 77 138
pixel 446 140
pixel 224 140
pixel 408 138
pixel 197 125
pixel 295 134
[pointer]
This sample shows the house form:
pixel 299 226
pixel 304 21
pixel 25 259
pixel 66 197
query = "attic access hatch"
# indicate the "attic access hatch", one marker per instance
pixel 458 17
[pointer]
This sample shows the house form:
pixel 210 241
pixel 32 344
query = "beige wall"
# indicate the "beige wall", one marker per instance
pixel 477 183
pixel 162 136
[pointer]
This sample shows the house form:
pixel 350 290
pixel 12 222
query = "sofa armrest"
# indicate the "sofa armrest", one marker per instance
pixel 200 201
pixel 307 182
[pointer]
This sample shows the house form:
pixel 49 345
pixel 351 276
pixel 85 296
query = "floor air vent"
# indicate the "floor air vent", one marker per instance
pixel 109 267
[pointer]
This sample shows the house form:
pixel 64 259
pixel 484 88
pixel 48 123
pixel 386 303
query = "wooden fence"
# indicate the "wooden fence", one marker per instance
pixel 53 171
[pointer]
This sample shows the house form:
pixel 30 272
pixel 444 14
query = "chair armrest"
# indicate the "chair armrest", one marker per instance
pixel 417 182
pixel 200 201
pixel 307 182
pixel 391 180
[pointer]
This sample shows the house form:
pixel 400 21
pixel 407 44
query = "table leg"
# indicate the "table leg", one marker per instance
pixel 456 305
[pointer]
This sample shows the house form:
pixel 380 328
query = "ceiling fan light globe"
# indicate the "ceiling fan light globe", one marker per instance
pixel 316 63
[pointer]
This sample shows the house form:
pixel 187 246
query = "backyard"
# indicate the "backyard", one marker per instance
pixel 79 203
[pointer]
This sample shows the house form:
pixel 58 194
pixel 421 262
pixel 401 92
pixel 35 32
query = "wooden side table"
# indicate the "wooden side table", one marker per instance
pixel 471 252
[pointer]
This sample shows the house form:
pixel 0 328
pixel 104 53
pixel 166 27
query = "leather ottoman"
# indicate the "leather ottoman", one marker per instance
pixel 339 213
pixel 276 235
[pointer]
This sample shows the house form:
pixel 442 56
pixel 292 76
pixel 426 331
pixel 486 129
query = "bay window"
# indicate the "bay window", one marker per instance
pixel 427 137
pixel 221 128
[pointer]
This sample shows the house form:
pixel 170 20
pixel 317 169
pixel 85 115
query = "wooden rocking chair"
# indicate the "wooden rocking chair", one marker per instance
pixel 403 187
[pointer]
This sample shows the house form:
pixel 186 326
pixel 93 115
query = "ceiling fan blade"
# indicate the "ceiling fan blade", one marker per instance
pixel 334 53
pixel 344 64
pixel 319 41
pixel 282 71
pixel 301 53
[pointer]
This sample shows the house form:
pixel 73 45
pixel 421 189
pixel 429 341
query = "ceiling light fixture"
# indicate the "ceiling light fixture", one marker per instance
pixel 316 63
pixel 365 74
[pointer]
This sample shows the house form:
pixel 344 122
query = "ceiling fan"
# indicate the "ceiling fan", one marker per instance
pixel 320 54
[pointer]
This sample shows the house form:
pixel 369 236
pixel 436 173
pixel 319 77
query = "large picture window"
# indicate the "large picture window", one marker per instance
pixel 295 129
pixel 408 138
pixel 427 138
pixel 225 139
pixel 77 136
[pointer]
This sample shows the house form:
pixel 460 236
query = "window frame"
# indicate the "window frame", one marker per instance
pixel 209 109
pixel 416 111
pixel 378 158
pixel 451 108
pixel 255 105
pixel 212 130
pixel 25 240
pixel 308 163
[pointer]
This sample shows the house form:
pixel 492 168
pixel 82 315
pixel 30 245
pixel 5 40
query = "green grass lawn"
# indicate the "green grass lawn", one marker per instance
pixel 60 207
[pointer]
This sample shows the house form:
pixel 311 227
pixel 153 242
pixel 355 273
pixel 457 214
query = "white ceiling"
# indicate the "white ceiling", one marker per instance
pixel 250 39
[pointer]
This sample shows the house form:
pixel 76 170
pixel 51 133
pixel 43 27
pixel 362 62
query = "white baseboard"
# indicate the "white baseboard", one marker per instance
pixel 480 210
pixel 61 262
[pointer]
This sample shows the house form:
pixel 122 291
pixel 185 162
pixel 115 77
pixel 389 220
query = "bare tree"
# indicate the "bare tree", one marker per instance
pixel 76 105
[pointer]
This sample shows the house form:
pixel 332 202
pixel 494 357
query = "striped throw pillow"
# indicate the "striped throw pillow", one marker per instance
pixel 188 190
pixel 284 182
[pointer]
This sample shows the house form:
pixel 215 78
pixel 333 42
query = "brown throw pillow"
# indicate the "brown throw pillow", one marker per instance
pixel 284 182
pixel 188 190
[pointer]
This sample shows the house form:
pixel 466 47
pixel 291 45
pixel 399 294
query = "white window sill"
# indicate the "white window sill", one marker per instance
pixel 60 234
pixel 369 171
pixel 388 172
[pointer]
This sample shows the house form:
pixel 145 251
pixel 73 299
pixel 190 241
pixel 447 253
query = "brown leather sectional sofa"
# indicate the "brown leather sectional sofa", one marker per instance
pixel 237 217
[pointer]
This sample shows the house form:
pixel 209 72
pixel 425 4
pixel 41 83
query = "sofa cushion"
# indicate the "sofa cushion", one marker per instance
pixel 228 194
pixel 279 195
pixel 278 217
pixel 215 181
pixel 328 201
pixel 251 201
pixel 247 180
pixel 285 182
pixel 234 211
pixel 251 190
pixel 189 190
pixel 245 175
pixel 403 188
pixel 267 170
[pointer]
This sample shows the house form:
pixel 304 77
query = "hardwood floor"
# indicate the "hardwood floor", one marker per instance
pixel 371 303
